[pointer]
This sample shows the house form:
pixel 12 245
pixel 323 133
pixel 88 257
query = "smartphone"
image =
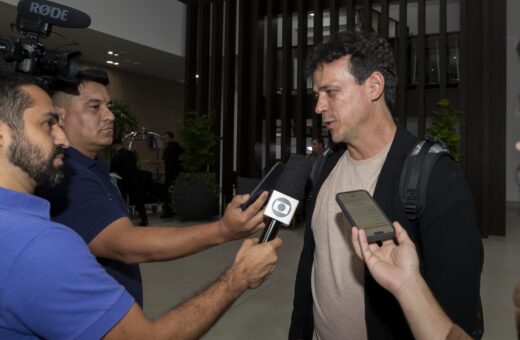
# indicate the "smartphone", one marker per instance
pixel 266 184
pixel 363 212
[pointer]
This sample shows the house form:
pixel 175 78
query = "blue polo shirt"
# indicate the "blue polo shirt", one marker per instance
pixel 50 284
pixel 87 201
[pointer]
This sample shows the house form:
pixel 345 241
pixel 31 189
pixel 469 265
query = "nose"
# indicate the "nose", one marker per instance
pixel 321 104
pixel 109 115
pixel 60 139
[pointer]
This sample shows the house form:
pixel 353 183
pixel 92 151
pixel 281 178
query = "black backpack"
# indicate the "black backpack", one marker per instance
pixel 413 183
pixel 413 186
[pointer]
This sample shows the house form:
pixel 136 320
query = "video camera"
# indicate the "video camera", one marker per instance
pixel 27 54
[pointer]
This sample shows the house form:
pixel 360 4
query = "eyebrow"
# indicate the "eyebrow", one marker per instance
pixel 93 101
pixel 328 87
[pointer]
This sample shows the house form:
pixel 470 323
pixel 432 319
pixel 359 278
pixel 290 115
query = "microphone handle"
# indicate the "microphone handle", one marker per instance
pixel 270 231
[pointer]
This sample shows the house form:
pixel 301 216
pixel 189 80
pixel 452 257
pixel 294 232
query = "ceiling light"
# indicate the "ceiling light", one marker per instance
pixel 196 76
pixel 110 62
pixel 311 14
pixel 110 52
pixel 116 54
pixel 116 63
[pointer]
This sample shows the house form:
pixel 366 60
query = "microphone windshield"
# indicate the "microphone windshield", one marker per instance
pixel 53 13
pixel 294 177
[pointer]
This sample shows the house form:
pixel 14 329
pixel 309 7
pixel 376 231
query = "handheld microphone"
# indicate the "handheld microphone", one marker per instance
pixel 288 192
pixel 53 13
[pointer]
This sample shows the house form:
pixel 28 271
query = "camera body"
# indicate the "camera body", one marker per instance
pixel 27 54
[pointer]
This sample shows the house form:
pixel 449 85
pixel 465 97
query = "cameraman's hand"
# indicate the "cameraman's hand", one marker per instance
pixel 254 261
pixel 238 223
pixel 392 266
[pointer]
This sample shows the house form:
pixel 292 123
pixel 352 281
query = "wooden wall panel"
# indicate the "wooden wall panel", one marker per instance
pixel 251 99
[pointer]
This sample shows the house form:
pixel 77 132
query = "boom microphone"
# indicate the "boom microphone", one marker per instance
pixel 288 192
pixel 52 13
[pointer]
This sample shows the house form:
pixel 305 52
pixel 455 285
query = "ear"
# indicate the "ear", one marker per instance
pixel 61 114
pixel 376 85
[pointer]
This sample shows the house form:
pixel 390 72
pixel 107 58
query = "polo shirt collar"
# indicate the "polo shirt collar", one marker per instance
pixel 24 203
pixel 87 162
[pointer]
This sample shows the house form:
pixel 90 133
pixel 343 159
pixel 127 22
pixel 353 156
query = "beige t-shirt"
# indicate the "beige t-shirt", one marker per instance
pixel 337 272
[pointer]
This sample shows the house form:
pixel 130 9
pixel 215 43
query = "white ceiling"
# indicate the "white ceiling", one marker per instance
pixel 93 45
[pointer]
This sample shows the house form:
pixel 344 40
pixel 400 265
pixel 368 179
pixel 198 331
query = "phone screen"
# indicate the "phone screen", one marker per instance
pixel 364 213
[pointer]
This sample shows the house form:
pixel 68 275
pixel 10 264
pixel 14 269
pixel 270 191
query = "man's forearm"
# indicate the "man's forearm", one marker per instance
pixel 199 313
pixel 124 242
pixel 167 243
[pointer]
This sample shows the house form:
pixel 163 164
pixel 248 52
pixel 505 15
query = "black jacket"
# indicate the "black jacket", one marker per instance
pixel 447 239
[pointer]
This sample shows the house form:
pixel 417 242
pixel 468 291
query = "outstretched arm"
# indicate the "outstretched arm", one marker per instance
pixel 396 268
pixel 122 241
pixel 253 264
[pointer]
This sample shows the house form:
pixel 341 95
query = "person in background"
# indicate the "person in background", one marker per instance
pixel 172 165
pixel 88 201
pixel 317 145
pixel 51 287
pixel 124 164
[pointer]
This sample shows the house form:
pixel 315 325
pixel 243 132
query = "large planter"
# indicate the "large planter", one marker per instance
pixel 194 200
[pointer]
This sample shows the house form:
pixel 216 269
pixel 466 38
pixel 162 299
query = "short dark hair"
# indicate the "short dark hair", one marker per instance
pixel 368 53
pixel 13 100
pixel 92 74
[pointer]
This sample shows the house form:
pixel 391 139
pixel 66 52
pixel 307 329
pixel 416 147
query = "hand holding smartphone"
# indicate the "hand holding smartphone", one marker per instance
pixel 363 212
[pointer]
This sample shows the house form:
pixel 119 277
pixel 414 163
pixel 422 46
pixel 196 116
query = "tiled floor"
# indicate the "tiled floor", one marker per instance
pixel 264 313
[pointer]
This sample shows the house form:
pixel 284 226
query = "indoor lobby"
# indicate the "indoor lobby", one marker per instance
pixel 243 61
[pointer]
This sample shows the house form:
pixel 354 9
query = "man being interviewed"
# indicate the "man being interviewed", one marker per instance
pixel 354 81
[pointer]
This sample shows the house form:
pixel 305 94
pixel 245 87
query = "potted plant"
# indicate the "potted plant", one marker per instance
pixel 195 192
pixel 125 120
pixel 444 126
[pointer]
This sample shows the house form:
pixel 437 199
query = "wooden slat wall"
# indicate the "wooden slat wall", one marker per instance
pixel 385 15
pixel 421 68
pixel 317 39
pixel 367 16
pixel 443 50
pixel 254 110
pixel 334 17
pixel 270 85
pixel 402 63
pixel 286 68
pixel 259 103
pixel 301 96
pixel 215 72
pixel 228 101
pixel 245 142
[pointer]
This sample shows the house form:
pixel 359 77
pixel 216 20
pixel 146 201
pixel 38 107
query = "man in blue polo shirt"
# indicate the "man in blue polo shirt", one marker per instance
pixel 88 202
pixel 50 284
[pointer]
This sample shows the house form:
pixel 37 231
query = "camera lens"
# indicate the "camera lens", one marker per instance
pixel 7 48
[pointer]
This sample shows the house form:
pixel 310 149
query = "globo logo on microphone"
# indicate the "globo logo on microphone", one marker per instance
pixel 281 207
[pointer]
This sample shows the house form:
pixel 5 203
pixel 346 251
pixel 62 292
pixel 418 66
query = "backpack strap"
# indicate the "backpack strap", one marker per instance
pixel 413 184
